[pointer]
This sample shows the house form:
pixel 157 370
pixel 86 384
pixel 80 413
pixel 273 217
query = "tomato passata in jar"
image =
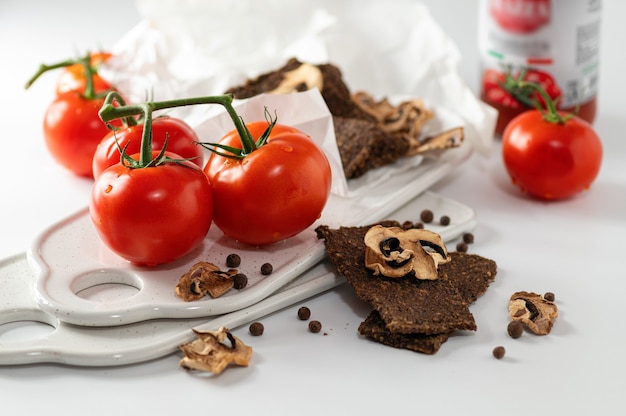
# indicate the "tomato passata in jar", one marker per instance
pixel 551 42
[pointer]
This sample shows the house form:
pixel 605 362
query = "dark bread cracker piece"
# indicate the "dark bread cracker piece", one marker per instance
pixel 335 92
pixel 374 327
pixel 264 82
pixel 471 274
pixel 407 305
pixel 364 146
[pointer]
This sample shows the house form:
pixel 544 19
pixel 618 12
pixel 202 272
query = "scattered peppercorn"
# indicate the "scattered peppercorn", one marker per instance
pixel 233 260
pixel 549 296
pixel 427 216
pixel 407 225
pixel 304 313
pixel 461 247
pixel 266 269
pixel 418 225
pixel 515 329
pixel 444 220
pixel 499 352
pixel 240 281
pixel 315 326
pixel 256 329
pixel 468 238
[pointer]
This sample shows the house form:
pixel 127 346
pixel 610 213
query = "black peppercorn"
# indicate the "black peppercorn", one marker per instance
pixel 499 352
pixel 468 238
pixel 304 313
pixel 461 247
pixel 315 326
pixel 266 269
pixel 240 281
pixel 233 260
pixel 549 296
pixel 427 216
pixel 515 329
pixel 444 220
pixel 256 329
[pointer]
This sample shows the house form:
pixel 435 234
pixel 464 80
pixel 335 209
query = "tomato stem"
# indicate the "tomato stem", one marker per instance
pixel 109 112
pixel 85 61
pixel 550 112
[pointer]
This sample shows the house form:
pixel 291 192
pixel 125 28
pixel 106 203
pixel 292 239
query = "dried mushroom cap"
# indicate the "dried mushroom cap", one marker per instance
pixel 534 311
pixel 308 75
pixel 445 140
pixel 407 118
pixel 395 252
pixel 209 352
pixel 204 278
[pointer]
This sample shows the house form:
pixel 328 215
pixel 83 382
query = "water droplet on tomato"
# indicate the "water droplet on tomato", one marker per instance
pixel 287 148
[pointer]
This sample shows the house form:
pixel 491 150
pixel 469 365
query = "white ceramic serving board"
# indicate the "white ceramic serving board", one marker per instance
pixel 142 341
pixel 71 262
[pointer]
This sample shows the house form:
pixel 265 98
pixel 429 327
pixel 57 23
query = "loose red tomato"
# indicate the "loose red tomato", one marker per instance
pixel 72 131
pixel 73 76
pixel 152 215
pixel 181 140
pixel 273 193
pixel 551 160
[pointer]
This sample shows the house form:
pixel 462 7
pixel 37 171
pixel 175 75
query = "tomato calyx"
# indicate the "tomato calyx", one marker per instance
pixel 109 112
pixel 248 143
pixel 89 69
pixel 550 112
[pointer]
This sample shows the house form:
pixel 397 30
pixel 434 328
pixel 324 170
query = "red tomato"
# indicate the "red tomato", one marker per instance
pixel 551 160
pixel 72 77
pixel 181 140
pixel 152 215
pixel 275 192
pixel 72 131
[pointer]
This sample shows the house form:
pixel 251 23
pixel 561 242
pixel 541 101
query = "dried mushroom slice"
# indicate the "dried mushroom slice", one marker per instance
pixel 433 144
pixel 209 352
pixel 534 311
pixel 204 278
pixel 302 78
pixel 395 252
pixel 408 118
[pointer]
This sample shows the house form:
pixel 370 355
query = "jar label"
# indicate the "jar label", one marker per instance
pixel 553 40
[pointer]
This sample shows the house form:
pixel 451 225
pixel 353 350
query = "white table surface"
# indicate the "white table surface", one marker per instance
pixel 573 248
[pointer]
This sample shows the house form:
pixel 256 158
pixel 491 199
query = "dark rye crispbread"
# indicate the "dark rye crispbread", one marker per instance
pixel 415 314
pixel 361 143
pixel 374 328
pixel 335 92
pixel 364 146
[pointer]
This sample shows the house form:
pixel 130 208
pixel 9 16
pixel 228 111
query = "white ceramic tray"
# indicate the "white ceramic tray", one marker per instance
pixel 80 281
pixel 142 341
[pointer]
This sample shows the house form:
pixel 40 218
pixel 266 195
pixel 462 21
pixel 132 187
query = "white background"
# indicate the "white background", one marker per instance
pixel 573 248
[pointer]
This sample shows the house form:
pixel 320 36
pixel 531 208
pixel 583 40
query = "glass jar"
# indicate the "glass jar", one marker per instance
pixel 555 43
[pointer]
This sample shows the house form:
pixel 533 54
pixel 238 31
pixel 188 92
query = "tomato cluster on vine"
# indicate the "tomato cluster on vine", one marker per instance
pixel 154 198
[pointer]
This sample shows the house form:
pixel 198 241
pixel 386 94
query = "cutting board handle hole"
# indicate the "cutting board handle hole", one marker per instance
pixel 106 285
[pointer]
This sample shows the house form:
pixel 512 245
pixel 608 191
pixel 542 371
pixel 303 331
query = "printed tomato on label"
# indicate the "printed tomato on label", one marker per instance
pixel 270 192
pixel 510 94
pixel 551 155
pixel 181 140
